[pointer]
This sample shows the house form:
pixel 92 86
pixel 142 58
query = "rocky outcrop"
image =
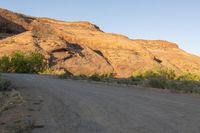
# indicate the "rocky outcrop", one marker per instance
pixel 82 48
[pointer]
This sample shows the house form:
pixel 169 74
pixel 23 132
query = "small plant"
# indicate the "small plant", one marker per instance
pixel 102 78
pixel 95 77
pixel 156 83
pixel 146 74
pixel 188 77
pixel 5 64
pixel 167 74
pixel 4 84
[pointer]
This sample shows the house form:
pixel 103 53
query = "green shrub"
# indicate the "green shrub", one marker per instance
pixel 5 64
pixel 167 74
pixel 164 79
pixel 167 79
pixel 20 62
pixel 188 77
pixel 4 84
pixel 79 77
pixel 146 74
pixel 95 77
pixel 128 81
pixel 190 86
pixel 174 85
pixel 185 86
pixel 156 83
pixel 36 62
pixel 103 77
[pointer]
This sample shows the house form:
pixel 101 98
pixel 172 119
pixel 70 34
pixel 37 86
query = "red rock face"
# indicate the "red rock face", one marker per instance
pixel 82 48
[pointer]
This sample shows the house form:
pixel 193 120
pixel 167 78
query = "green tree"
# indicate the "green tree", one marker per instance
pixel 19 62
pixel 36 62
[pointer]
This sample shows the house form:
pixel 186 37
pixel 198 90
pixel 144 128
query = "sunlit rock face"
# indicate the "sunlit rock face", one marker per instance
pixel 81 48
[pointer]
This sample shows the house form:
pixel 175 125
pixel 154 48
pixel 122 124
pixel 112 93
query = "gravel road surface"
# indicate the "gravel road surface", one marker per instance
pixel 83 107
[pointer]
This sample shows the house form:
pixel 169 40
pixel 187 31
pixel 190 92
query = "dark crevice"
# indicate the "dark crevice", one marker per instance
pixel 106 59
pixel 10 28
pixel 68 57
pixel 71 49
pixel 66 71
pixel 64 59
pixel 51 61
pixel 157 60
pixel 75 47
pixel 59 50
pixel 101 54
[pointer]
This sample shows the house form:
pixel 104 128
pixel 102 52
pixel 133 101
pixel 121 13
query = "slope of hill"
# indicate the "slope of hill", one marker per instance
pixel 82 48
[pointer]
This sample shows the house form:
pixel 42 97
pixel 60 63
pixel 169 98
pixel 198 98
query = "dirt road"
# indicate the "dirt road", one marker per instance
pixel 82 107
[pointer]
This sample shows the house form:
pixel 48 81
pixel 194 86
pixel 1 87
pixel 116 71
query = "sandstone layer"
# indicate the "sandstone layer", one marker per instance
pixel 83 48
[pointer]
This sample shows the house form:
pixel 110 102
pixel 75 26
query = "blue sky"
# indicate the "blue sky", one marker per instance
pixel 173 20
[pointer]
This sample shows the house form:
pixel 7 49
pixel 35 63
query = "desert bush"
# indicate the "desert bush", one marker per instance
pixel 164 79
pixel 36 62
pixel 145 75
pixel 74 77
pixel 5 64
pixel 128 81
pixel 174 85
pixel 101 77
pixel 4 84
pixel 80 77
pixel 20 62
pixel 188 77
pixel 184 86
pixel 168 79
pixel 156 83
pixel 156 79
pixel 97 77
pixel 167 74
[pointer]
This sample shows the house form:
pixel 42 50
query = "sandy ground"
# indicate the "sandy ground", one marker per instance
pixel 67 106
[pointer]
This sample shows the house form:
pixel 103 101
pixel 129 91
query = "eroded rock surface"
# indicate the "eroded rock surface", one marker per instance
pixel 82 48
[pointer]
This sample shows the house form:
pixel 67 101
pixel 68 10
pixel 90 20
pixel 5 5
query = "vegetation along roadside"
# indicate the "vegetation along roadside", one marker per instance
pixel 163 78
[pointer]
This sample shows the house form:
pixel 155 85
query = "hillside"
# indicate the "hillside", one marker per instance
pixel 83 48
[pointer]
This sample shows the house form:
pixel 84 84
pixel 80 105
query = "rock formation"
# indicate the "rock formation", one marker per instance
pixel 82 48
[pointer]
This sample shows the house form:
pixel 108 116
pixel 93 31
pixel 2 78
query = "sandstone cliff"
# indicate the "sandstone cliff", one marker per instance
pixel 82 48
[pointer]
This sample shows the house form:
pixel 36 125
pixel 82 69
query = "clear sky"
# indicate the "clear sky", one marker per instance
pixel 173 20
